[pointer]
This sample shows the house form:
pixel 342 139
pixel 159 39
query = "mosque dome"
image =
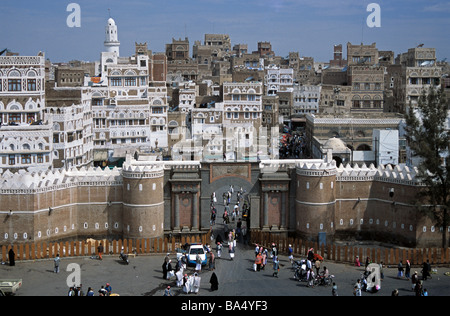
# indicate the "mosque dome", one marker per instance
pixel 335 144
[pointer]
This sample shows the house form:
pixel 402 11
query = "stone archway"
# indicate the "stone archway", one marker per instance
pixel 218 178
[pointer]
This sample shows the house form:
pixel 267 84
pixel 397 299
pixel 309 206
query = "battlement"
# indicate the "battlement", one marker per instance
pixel 316 168
pixel 43 181
pixel 399 174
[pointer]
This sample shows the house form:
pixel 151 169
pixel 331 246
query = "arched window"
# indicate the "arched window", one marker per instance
pixel 363 147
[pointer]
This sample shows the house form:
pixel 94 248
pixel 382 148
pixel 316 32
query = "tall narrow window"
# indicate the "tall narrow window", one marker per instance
pixel 12 160
pixel 116 82
pixel 130 82
pixel 14 85
pixel 31 84
pixel 26 159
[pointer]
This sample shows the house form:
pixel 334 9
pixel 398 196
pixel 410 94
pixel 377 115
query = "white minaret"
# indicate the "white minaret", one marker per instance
pixel 112 43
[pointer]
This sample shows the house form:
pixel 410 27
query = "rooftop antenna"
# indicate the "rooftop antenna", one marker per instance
pixel 362 32
pixel 109 11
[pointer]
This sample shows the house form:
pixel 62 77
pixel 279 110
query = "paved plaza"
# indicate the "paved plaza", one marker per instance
pixel 143 277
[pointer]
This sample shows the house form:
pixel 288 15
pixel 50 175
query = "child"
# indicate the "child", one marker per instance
pixel 276 266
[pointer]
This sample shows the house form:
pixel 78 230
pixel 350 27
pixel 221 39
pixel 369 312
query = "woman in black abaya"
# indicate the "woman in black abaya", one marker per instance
pixel 214 282
pixel 11 256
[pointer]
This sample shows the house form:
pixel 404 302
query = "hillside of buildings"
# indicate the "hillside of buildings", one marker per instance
pixel 212 101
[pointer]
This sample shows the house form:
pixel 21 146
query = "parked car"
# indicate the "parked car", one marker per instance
pixel 195 249
pixel 10 287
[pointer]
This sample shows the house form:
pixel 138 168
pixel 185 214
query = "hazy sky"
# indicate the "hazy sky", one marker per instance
pixel 308 27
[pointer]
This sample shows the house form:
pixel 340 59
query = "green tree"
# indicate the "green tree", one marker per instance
pixel 428 139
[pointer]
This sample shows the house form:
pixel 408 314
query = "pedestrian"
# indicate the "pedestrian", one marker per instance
pixel 186 284
pixel 367 262
pixel 408 270
pixel 196 283
pixel 100 251
pixel 414 279
pixel 214 282
pixel 274 250
pixel 108 289
pixel 276 266
pixel 381 271
pixel 290 254
pixel 179 276
pixel 310 277
pixel 334 289
pixel 357 262
pixel 11 257
pixel 325 272
pixel 317 266
pixel 258 261
pixel 213 217
pixel 212 262
pixel 198 263
pixel 426 269
pixel 224 196
pixel 57 261
pixel 231 251
pixel 357 288
pixel 164 269
pixel 167 291
pixel 225 217
pixel 170 271
pixel 310 255
pixel 102 291
pixel 167 258
pixel 219 250
pixel 418 288
pixel 400 269
pixel 71 292
pixel 425 292
pixel 394 292
pixel 90 292
pixel 79 290
pixel 264 258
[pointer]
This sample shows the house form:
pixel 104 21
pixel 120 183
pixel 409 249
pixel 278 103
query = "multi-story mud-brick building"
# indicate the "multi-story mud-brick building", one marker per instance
pixel 149 199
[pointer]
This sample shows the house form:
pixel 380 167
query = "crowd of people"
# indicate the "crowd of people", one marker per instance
pixel 78 291
pixel 403 272
pixel 189 283
pixel 231 212
pixel 261 259
pixel 292 146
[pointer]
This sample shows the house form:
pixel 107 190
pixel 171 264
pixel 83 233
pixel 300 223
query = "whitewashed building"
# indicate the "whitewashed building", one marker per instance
pixel 25 135
pixel 129 111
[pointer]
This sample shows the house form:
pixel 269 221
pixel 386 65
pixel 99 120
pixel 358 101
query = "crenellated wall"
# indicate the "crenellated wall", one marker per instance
pixel 150 199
